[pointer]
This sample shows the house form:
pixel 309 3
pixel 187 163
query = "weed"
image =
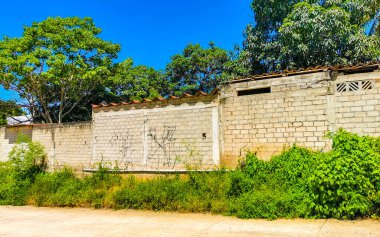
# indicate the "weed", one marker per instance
pixel 343 183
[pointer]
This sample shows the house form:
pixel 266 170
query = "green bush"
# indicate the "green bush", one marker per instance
pixel 64 188
pixel 274 188
pixel 13 190
pixel 201 192
pixel 267 204
pixel 103 179
pixel 51 189
pixel 161 193
pixel 346 182
pixel 342 183
pixel 27 159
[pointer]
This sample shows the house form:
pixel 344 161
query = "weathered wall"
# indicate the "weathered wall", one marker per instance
pixel 299 109
pixel 206 129
pixel 158 135
pixel 358 110
pixel 8 138
pixel 68 144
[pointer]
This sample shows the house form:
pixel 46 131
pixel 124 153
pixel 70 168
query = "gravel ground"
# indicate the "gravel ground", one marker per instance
pixel 41 221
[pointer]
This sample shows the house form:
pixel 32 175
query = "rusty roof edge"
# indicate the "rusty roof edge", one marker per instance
pixel 48 124
pixel 157 100
pixel 374 65
pixel 277 75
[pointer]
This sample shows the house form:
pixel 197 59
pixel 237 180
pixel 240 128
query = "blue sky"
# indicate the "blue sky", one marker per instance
pixel 149 31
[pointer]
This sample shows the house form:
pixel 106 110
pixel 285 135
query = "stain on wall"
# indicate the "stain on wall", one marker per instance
pixel 169 137
pixel 205 131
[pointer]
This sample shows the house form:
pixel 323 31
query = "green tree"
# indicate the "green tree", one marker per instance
pixel 130 82
pixel 296 34
pixel 9 109
pixel 56 64
pixel 364 13
pixel 83 110
pixel 199 68
pixel 313 35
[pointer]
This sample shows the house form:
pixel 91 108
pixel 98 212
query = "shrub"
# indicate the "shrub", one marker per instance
pixel 103 179
pixel 343 183
pixel 161 193
pixel 13 190
pixel 26 160
pixel 200 192
pixel 274 188
pixel 267 204
pixel 294 166
pixel 346 183
pixel 47 186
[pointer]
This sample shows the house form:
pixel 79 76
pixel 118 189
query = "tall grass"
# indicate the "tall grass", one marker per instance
pixel 343 183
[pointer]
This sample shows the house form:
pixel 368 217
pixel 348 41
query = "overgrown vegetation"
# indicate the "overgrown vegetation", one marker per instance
pixel 27 160
pixel 343 183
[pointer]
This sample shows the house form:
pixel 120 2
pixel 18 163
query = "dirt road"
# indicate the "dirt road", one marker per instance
pixel 32 221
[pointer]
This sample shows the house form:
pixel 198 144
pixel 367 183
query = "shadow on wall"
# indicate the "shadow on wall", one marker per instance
pixel 11 133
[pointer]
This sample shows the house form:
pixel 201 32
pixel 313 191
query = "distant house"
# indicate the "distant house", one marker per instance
pixel 19 120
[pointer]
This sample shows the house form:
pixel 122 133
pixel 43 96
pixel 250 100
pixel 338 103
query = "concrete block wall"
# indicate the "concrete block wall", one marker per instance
pixel 161 135
pixel 299 109
pixel 66 144
pixel 294 112
pixel 8 137
pixel 358 110
pixel 214 129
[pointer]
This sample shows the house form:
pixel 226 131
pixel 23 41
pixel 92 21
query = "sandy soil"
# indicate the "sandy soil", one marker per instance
pixel 32 221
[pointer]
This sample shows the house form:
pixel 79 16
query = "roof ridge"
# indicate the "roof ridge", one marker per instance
pixel 158 98
pixel 311 69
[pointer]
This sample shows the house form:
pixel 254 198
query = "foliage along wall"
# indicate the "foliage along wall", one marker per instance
pixel 263 116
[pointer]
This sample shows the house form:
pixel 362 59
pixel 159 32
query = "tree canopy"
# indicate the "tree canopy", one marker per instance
pixel 296 34
pixel 9 109
pixel 129 82
pixel 56 64
pixel 61 65
pixel 198 68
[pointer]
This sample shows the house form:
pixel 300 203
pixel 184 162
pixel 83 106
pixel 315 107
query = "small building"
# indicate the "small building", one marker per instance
pixel 19 120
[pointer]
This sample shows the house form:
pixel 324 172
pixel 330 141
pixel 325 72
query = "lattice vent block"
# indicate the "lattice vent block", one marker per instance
pixel 355 86
pixel 341 87
pixel 367 85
